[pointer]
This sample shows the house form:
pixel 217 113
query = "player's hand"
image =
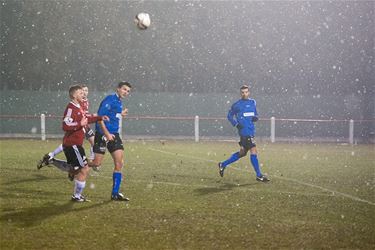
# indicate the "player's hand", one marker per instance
pixel 84 122
pixel 239 126
pixel 110 137
pixel 124 113
pixel 105 118
pixel 255 119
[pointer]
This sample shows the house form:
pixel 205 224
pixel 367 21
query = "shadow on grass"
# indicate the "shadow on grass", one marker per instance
pixel 35 178
pixel 35 215
pixel 224 187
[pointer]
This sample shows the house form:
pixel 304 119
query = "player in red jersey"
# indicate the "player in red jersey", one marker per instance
pixel 89 134
pixel 74 122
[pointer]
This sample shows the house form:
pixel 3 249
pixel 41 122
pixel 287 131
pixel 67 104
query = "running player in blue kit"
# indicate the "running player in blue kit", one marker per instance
pixel 243 114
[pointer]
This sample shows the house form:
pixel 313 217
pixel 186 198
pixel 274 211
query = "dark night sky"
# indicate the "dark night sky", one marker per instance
pixel 192 46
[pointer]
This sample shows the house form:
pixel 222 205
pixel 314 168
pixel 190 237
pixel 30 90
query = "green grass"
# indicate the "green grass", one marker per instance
pixel 320 196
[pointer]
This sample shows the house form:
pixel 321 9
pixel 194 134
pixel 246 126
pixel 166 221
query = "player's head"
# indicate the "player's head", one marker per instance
pixel 123 89
pixel 245 92
pixel 76 93
pixel 85 90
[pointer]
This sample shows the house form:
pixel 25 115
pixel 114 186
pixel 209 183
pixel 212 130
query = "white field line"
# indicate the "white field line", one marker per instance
pixel 97 175
pixel 282 178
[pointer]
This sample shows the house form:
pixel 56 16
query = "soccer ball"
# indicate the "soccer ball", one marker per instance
pixel 142 20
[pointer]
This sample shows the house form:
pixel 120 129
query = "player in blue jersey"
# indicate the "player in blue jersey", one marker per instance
pixel 112 107
pixel 242 115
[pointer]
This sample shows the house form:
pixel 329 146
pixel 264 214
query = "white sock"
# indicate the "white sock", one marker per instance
pixel 57 151
pixel 92 154
pixel 78 188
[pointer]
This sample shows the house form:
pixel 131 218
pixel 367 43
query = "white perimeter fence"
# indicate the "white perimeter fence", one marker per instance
pixel 273 137
pixel 347 135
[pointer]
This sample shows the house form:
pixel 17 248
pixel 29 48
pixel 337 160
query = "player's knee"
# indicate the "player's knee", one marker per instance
pixel 119 165
pixel 253 151
pixel 242 152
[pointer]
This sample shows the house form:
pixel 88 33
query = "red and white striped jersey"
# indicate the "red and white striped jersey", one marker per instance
pixel 74 132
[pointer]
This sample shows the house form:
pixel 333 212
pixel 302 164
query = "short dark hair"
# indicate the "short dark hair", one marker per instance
pixel 84 85
pixel 244 87
pixel 120 84
pixel 73 89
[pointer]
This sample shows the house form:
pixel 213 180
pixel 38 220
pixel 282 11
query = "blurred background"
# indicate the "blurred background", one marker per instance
pixel 303 60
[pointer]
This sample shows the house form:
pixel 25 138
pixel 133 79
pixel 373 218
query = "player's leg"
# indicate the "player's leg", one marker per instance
pixel 117 152
pixel 77 159
pixel 92 154
pixel 90 137
pixel 57 151
pixel 97 162
pixel 117 174
pixel 234 157
pixel 60 164
pixel 99 148
pixel 80 184
pixel 47 158
pixel 254 161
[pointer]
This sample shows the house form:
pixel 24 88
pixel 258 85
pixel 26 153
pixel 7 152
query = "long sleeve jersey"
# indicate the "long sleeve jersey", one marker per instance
pixel 74 132
pixel 111 106
pixel 242 113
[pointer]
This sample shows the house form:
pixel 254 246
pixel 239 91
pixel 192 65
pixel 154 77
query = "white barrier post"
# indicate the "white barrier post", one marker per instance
pixel 43 126
pixel 196 128
pixel 272 129
pixel 351 131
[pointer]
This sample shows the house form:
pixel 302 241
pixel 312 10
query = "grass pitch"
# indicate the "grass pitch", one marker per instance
pixel 320 196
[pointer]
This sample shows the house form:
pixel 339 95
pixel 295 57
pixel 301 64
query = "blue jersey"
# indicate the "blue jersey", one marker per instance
pixel 111 106
pixel 242 113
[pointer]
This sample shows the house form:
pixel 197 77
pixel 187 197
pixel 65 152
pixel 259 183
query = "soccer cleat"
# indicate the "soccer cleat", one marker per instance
pixel 221 169
pixel 45 161
pixel 262 178
pixel 81 198
pixel 119 197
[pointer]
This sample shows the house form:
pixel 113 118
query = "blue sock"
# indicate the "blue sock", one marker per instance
pixel 234 157
pixel 255 163
pixel 117 176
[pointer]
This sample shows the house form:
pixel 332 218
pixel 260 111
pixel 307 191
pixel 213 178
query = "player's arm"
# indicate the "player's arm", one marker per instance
pixel 110 137
pixel 94 118
pixel 105 107
pixel 230 117
pixel 70 123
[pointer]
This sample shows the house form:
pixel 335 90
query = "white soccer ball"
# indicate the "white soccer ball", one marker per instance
pixel 142 20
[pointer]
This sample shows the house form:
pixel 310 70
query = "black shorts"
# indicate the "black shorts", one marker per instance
pixel 88 132
pixel 247 142
pixel 101 144
pixel 75 156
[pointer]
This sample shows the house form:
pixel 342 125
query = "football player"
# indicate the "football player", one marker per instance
pixel 242 115
pixel 112 107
